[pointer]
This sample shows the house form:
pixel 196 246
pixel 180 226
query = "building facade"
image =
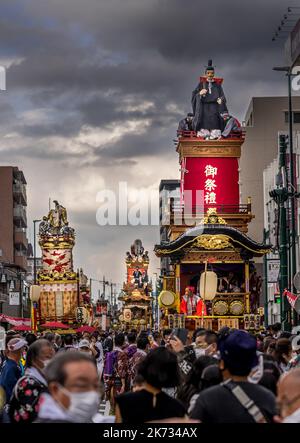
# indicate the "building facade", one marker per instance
pixel 266 116
pixel 169 194
pixel 271 229
pixel 13 242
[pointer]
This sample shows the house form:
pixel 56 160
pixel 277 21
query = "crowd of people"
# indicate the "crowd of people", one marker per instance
pixel 230 376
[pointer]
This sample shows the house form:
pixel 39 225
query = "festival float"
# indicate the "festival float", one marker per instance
pixel 211 281
pixel 64 294
pixel 136 298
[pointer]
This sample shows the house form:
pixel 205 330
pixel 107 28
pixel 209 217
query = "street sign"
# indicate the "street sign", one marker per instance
pixel 273 267
pixel 14 298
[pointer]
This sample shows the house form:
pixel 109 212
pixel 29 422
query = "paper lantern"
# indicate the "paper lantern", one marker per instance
pixel 35 293
pixel 82 315
pixel 208 285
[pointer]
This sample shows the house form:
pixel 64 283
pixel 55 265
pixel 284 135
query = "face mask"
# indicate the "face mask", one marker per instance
pixel 46 362
pixel 199 352
pixel 83 405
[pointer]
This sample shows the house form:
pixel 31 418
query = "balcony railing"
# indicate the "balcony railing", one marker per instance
pixel 20 237
pixel 20 190
pixel 20 214
pixel 21 259
pixel 176 213
pixel 221 209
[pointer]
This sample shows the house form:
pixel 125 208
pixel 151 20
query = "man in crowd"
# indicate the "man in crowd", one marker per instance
pixel 166 337
pixel 108 343
pixel 69 345
pixel 211 340
pixel 97 345
pixel 236 400
pixel 11 370
pixel 132 347
pixel 74 390
pixel 115 370
pixel 138 356
pixel 288 398
pixel 276 330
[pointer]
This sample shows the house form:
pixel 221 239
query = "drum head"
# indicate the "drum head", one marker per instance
pixel 167 298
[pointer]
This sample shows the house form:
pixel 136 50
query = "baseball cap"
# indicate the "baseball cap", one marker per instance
pixel 84 344
pixel 15 344
pixel 238 351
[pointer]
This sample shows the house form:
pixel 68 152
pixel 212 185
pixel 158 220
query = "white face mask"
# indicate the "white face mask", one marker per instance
pixel 46 362
pixel 199 352
pixel 83 405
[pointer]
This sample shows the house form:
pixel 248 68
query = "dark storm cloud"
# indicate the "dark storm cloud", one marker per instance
pixel 151 50
pixel 66 128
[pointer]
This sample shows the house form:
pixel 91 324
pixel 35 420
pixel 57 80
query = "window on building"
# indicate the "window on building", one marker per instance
pixel 296 115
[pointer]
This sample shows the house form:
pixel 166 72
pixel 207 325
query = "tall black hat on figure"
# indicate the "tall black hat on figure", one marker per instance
pixel 209 66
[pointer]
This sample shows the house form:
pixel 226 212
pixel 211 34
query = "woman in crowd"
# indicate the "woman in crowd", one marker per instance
pixel 283 353
pixel 159 370
pixel 23 406
pixel 271 374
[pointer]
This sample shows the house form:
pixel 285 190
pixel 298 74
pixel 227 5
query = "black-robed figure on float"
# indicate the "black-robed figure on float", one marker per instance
pixel 208 101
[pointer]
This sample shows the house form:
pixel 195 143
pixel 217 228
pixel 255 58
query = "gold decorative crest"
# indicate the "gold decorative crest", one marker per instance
pixel 208 241
pixel 212 218
pixel 51 276
pixel 56 242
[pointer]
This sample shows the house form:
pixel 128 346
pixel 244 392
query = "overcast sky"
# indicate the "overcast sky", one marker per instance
pixel 95 90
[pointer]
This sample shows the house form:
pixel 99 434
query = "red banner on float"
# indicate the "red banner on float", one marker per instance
pixel 217 177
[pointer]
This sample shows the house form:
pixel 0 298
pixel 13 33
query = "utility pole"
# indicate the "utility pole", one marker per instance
pixel 293 258
pixel 112 309
pixel 293 187
pixel 34 250
pixel 265 267
pixel 280 195
pixel 104 282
